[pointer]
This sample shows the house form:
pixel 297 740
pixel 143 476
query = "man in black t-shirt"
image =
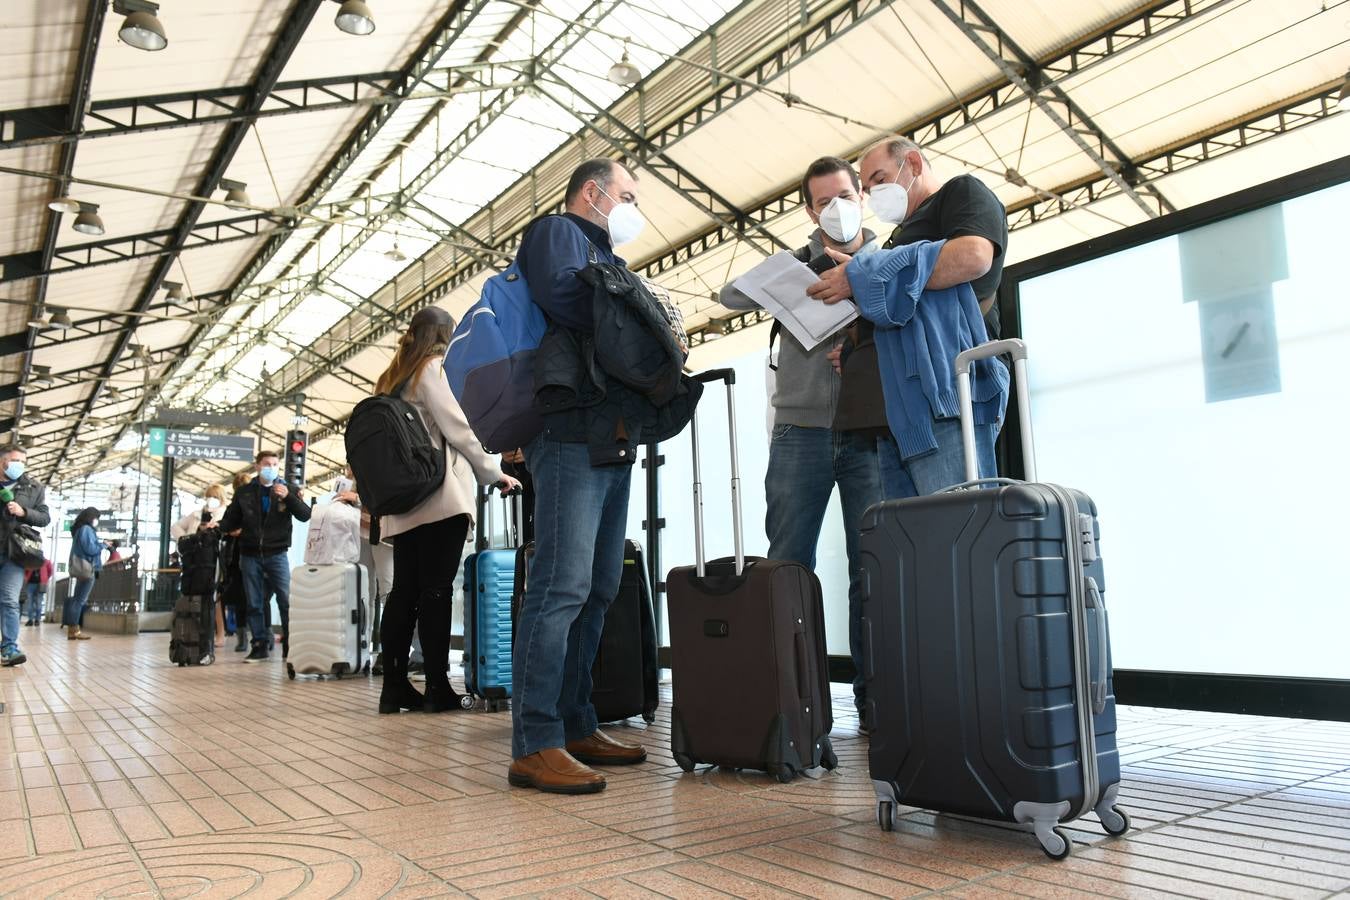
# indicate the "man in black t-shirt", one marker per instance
pixel 903 190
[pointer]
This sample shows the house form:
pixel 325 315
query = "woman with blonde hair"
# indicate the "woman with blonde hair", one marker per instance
pixel 429 540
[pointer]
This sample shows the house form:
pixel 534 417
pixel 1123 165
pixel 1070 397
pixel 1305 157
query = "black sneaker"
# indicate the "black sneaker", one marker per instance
pixel 13 659
pixel 258 654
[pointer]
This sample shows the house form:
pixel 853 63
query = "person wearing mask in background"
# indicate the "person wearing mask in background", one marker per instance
pixel 23 500
pixel 205 518
pixel 922 453
pixel 86 561
pixel 807 458
pixel 581 465
pixel 231 590
pixel 429 539
pixel 263 510
pixel 114 551
pixel 37 592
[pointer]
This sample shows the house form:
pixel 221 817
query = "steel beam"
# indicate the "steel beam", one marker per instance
pixel 95 12
pixel 287 40
pixel 1050 98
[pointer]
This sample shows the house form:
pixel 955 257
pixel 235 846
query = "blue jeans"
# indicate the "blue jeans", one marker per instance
pixel 930 472
pixel 804 466
pixel 37 599
pixel 580 514
pixel 11 582
pixel 77 595
pixel 263 577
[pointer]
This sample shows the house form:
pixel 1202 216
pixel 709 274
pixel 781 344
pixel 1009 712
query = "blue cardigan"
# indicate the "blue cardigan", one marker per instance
pixel 86 546
pixel 919 333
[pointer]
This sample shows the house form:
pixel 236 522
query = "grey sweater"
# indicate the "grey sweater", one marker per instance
pixel 806 388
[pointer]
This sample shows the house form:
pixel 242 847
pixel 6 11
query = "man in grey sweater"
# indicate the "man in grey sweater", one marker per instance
pixel 807 456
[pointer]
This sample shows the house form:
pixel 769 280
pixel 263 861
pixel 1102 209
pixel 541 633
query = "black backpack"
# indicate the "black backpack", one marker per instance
pixel 198 554
pixel 391 454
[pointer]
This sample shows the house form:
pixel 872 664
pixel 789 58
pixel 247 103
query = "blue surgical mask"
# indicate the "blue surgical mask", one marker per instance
pixel 268 474
pixel 14 471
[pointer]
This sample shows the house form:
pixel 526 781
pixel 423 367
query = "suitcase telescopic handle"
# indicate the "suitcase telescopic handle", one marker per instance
pixel 1094 601
pixel 1018 350
pixel 700 558
pixel 513 502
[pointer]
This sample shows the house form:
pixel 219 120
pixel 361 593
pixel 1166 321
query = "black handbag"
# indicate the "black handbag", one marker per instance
pixel 25 546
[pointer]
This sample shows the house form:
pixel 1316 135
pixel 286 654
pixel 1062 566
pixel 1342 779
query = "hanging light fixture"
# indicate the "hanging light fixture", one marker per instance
pixel 64 204
pixel 175 290
pixel 61 320
pixel 396 254
pixel 114 394
pixel 354 18
pixel 88 221
pixel 624 72
pixel 40 321
pixel 236 192
pixel 141 28
pixel 42 375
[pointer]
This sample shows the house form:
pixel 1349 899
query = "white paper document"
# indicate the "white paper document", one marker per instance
pixel 779 285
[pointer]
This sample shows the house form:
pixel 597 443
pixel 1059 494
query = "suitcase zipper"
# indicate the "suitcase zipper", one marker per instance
pixel 1087 731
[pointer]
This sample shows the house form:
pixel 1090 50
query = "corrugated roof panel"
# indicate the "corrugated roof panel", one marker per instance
pixel 39 53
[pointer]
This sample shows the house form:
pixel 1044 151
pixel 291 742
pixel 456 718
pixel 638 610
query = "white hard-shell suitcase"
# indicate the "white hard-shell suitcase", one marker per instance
pixel 329 623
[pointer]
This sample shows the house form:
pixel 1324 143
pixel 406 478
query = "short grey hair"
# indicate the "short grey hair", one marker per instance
pixel 898 148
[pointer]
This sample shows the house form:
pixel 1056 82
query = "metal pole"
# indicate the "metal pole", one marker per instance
pixel 165 510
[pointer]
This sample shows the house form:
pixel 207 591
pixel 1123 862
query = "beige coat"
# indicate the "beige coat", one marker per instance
pixel 466 462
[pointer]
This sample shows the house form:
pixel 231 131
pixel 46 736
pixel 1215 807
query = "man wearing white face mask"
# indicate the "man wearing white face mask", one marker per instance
pixel 582 468
pixel 816 441
pixel 965 224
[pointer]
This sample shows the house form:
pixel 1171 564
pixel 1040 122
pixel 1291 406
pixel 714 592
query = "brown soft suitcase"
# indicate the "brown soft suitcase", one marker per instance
pixel 747 645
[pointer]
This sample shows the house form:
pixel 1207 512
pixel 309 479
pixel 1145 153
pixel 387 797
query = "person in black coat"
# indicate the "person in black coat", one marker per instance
pixel 23 501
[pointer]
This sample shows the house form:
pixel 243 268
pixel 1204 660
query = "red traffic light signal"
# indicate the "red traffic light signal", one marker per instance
pixel 297 446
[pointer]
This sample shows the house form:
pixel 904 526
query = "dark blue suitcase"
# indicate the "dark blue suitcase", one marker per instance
pixel 986 653
pixel 489 580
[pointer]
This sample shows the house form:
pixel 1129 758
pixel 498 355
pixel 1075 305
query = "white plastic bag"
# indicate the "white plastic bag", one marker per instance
pixel 334 535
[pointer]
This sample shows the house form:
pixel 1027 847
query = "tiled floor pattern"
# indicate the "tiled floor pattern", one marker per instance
pixel 123 776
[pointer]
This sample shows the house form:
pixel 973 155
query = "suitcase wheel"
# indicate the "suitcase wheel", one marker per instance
pixel 1056 843
pixel 1115 822
pixel 649 718
pixel 783 773
pixel 828 759
pixel 466 701
pixel 886 815
pixel 365 670
pixel 684 762
pixel 290 671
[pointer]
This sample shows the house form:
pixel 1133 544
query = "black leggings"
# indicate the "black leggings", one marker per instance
pixel 426 560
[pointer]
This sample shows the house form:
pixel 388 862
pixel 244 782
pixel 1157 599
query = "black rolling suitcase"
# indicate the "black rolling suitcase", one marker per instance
pixel 193 630
pixel 985 648
pixel 625 675
pixel 747 644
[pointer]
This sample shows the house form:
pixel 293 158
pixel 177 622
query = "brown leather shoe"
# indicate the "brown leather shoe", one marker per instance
pixel 602 750
pixel 556 772
pixel 75 634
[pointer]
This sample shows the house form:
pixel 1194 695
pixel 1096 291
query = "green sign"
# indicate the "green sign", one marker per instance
pixel 200 445
pixel 156 441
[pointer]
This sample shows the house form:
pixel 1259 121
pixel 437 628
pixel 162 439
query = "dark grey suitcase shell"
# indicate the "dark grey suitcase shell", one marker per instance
pixel 747 644
pixel 986 653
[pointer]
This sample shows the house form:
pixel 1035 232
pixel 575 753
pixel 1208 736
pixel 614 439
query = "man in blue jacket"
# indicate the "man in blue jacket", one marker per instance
pixel 927 292
pixel 581 509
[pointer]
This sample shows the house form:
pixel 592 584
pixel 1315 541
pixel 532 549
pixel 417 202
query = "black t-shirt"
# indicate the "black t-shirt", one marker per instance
pixel 962 206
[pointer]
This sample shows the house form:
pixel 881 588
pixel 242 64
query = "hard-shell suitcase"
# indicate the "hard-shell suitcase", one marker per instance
pixel 986 653
pixel 747 644
pixel 329 624
pixel 191 641
pixel 489 579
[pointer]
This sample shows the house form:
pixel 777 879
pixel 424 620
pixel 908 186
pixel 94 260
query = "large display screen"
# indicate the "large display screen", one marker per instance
pixel 1198 387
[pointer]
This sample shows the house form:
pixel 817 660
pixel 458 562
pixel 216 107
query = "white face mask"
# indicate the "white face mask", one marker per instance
pixel 890 201
pixel 212 503
pixel 624 221
pixel 841 219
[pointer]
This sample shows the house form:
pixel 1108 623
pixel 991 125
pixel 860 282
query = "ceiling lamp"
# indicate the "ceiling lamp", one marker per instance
pixel 354 18
pixel 714 330
pixel 624 72
pixel 88 221
pixel 140 28
pixel 396 254
pixel 42 374
pixel 64 204
pixel 175 290
pixel 236 192
pixel 40 321
pixel 61 320
pixel 114 394
pixel 1343 101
